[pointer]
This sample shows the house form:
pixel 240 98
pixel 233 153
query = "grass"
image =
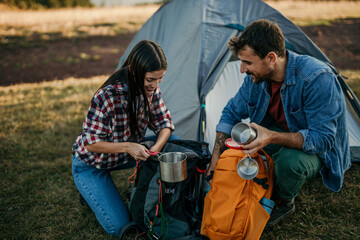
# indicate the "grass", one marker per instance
pixel 39 123
pixel 310 13
pixel 36 28
pixel 65 19
pixel 38 196
pixel 39 199
pixel 353 80
pixel 322 214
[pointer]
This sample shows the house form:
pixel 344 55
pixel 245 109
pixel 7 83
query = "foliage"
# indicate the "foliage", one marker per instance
pixel 40 4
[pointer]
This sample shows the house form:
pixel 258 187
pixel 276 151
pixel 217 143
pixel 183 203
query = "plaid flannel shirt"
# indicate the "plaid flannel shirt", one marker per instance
pixel 107 120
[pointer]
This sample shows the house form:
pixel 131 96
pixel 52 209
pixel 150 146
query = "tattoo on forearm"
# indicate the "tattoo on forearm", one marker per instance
pixel 220 141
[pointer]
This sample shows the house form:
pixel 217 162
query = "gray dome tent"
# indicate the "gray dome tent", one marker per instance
pixel 202 75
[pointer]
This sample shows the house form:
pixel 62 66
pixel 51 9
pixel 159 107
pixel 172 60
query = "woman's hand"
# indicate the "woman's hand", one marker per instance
pixel 154 149
pixel 138 151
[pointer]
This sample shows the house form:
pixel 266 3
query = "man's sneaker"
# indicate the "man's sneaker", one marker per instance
pixel 284 208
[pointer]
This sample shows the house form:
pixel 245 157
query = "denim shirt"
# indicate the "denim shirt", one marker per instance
pixel 314 106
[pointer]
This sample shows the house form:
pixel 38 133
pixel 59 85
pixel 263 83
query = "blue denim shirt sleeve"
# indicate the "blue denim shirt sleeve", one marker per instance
pixel 322 107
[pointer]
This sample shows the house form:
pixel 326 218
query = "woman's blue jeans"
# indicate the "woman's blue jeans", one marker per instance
pixel 101 194
pixel 99 191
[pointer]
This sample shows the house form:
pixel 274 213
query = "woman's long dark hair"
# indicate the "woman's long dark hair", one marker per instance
pixel 146 56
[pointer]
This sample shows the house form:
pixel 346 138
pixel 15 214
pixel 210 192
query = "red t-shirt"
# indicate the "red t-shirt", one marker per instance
pixel 276 109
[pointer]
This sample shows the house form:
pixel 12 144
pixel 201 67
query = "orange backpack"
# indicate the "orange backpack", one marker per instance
pixel 232 208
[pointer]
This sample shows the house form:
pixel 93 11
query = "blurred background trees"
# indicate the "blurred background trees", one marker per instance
pixel 46 4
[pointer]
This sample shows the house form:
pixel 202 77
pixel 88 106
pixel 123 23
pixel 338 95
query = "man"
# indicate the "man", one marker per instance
pixel 296 105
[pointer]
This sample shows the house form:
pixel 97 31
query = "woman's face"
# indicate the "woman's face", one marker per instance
pixel 151 81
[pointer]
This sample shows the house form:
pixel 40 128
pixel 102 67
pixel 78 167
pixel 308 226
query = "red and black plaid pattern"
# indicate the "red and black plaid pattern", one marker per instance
pixel 107 120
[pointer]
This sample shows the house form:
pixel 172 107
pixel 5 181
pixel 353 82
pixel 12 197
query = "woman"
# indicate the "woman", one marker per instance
pixel 120 112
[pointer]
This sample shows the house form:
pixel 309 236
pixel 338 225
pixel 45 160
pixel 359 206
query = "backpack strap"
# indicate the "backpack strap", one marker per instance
pixel 208 178
pixel 262 182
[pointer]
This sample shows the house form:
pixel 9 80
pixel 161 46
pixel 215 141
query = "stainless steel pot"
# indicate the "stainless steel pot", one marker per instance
pixel 173 167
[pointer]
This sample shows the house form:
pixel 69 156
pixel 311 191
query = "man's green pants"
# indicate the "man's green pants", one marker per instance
pixel 292 168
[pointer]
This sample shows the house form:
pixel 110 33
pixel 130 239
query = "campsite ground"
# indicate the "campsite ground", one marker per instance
pixel 82 57
pixel 31 55
pixel 49 69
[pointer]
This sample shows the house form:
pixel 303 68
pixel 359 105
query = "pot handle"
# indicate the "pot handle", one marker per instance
pixel 153 155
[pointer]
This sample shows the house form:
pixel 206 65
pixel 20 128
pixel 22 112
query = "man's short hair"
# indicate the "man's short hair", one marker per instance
pixel 262 36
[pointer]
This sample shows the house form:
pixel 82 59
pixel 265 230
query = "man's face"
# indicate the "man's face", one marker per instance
pixel 251 64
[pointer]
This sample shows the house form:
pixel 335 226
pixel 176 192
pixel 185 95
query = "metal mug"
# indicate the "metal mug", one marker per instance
pixel 247 168
pixel 242 133
pixel 173 167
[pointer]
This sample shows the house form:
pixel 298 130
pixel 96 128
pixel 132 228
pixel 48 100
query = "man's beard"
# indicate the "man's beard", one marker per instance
pixel 259 79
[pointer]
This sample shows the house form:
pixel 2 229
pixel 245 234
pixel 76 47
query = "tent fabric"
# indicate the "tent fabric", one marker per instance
pixel 201 76
pixel 179 36
pixel 227 87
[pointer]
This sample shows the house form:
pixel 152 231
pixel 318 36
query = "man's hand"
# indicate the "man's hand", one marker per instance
pixel 265 137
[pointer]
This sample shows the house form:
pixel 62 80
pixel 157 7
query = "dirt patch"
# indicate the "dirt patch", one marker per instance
pixel 60 59
pixel 339 41
pixel 91 56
